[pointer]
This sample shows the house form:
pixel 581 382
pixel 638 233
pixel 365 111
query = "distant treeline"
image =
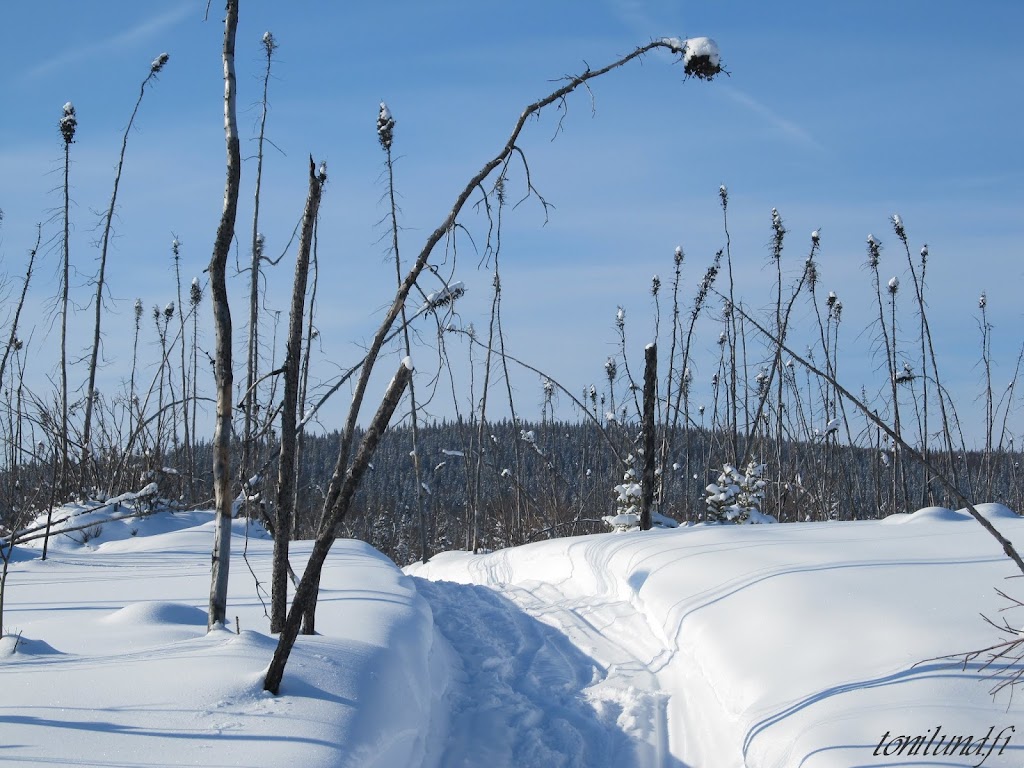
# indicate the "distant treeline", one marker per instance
pixel 534 480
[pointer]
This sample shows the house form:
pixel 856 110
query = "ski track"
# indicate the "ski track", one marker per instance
pixel 542 679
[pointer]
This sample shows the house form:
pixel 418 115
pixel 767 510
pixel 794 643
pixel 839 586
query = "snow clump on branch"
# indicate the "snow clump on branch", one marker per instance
pixel 68 123
pixel 701 57
pixel 385 126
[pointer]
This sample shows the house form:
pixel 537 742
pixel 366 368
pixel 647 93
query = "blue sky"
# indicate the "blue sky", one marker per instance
pixel 837 114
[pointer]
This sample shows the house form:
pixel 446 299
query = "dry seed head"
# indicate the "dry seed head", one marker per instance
pixel 195 292
pixel 723 195
pixel 897 224
pixel 874 251
pixel 269 43
pixel 982 301
pixel 678 255
pixel 655 285
pixel 778 233
pixel 811 272
pixel 169 310
pixel 894 285
pixel 610 369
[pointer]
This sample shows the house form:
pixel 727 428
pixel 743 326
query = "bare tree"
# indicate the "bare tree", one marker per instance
pixel 344 481
pixel 386 136
pixel 90 391
pixel 252 358
pixel 222 333
pixel 289 415
pixel 68 126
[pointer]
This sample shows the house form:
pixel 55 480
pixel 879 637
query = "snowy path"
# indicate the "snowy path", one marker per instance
pixel 543 679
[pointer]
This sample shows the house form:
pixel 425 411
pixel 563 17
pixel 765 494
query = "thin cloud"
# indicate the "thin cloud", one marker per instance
pixel 787 127
pixel 644 18
pixel 137 34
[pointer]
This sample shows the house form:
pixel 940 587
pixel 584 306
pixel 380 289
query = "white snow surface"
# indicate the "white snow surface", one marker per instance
pixel 703 646
pixel 693 47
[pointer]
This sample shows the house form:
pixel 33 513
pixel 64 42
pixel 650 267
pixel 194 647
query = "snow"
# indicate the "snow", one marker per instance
pixel 148 491
pixel 114 665
pixel 443 296
pixel 695 47
pixel 702 46
pixel 817 645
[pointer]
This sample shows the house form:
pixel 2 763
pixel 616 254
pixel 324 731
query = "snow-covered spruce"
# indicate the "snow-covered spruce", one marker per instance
pixel 629 495
pixel 737 497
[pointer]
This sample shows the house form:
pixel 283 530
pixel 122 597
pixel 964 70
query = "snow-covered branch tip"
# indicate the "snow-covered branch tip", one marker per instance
pixel 701 57
pixel 443 297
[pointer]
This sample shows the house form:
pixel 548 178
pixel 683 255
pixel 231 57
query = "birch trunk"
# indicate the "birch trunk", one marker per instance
pixel 222 329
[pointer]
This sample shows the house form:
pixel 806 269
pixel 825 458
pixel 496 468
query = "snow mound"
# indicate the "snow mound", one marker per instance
pixel 995 512
pixel 157 612
pixel 15 645
pixel 928 514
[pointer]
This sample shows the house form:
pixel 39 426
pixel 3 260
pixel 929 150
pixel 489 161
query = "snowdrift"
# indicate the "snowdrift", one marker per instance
pixel 805 645
pixel 109 661
pixel 813 645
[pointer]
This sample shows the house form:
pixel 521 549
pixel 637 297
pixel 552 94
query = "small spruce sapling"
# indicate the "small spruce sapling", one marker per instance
pixel 629 495
pixel 738 497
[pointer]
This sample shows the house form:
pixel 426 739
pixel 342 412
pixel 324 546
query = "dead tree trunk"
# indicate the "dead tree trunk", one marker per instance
pixel 650 458
pixel 289 417
pixel 222 330
pixel 339 497
pixel 340 492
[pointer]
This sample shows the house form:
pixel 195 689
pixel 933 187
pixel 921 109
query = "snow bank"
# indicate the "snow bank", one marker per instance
pixel 109 661
pixel 798 644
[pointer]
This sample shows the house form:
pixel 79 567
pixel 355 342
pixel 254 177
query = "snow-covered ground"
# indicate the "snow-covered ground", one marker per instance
pixel 789 645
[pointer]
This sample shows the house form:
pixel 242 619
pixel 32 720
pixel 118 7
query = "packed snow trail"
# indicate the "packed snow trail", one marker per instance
pixel 543 680
pixel 764 646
